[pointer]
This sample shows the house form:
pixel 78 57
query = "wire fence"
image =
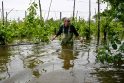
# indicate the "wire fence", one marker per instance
pixel 20 14
pixel 84 13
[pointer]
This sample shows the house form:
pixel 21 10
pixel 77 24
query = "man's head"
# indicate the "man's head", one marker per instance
pixel 66 22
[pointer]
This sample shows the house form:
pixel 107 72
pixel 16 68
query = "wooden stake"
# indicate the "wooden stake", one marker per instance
pixel 49 9
pixel 60 15
pixel 74 10
pixel 40 10
pixel 3 12
pixel 89 16
pixel 98 22
pixel 6 18
pixel 79 18
pixel 25 14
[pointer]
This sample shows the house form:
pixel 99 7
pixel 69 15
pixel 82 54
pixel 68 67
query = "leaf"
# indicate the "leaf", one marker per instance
pixel 118 41
pixel 114 46
pixel 112 41
pixel 121 48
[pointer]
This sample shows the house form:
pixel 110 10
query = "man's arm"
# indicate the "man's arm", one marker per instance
pixel 58 33
pixel 75 31
pixel 77 34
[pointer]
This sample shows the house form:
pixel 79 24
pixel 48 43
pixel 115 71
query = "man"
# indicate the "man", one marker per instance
pixel 67 29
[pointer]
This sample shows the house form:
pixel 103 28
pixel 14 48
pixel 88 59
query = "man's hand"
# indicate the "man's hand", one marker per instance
pixel 53 38
pixel 80 38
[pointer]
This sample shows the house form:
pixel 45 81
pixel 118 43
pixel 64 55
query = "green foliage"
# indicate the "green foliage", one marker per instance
pixel 30 28
pixel 116 10
pixel 112 53
pixel 38 30
pixel 121 49
pixel 30 21
pixel 2 36
pixel 112 28
pixel 83 28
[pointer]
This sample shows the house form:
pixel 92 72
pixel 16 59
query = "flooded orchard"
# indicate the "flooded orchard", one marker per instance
pixel 49 63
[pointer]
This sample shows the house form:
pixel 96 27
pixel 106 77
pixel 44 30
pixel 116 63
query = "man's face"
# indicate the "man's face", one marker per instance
pixel 66 22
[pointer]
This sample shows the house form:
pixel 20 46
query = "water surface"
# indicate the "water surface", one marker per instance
pixel 49 63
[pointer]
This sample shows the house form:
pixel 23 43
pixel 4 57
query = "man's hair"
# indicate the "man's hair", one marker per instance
pixel 65 18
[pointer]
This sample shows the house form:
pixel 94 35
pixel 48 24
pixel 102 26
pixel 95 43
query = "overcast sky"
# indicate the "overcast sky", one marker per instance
pixel 66 6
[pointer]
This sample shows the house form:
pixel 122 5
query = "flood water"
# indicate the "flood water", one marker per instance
pixel 50 63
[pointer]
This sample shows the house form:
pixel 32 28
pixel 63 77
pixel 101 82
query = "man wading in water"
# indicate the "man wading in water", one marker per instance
pixel 67 29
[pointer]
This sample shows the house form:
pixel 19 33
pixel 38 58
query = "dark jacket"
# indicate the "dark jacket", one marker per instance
pixel 66 29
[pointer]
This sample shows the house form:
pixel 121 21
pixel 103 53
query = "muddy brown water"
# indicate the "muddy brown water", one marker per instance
pixel 49 63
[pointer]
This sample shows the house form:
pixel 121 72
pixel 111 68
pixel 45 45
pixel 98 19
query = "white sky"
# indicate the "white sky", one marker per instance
pixel 66 6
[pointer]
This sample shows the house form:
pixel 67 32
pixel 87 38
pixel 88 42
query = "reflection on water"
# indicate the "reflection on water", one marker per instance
pixel 36 73
pixel 21 64
pixel 68 56
pixel 4 59
pixel 109 75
